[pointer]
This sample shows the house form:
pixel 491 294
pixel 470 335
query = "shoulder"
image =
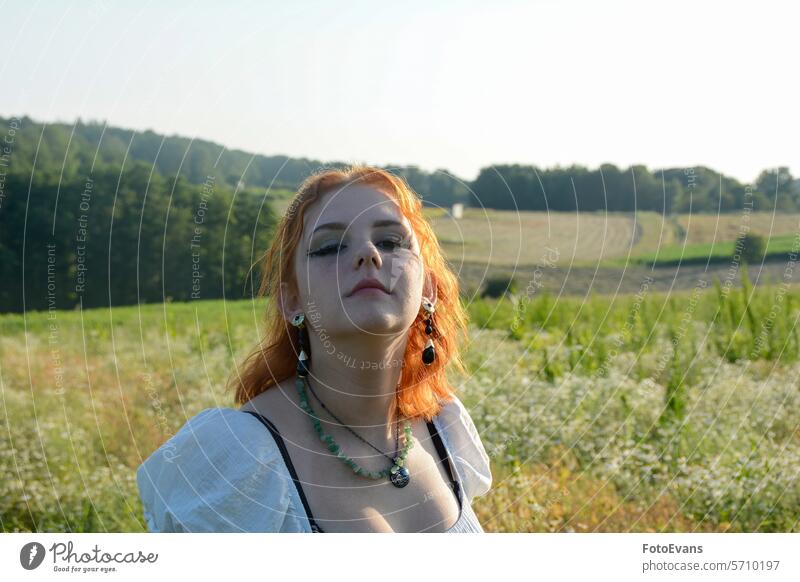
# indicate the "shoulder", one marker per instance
pixel 464 443
pixel 222 471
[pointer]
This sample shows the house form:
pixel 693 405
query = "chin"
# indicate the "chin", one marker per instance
pixel 373 321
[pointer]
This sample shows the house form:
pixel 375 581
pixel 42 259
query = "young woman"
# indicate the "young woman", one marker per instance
pixel 347 420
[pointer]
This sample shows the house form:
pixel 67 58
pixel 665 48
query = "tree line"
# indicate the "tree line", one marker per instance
pixel 609 188
pixel 77 148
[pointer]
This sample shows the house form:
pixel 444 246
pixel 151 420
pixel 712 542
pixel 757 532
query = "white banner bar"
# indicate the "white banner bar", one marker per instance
pixel 350 557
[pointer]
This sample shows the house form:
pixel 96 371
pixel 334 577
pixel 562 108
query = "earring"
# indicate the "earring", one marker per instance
pixel 429 353
pixel 302 365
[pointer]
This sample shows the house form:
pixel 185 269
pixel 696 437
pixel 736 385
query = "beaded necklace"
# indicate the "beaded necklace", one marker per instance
pixel 396 472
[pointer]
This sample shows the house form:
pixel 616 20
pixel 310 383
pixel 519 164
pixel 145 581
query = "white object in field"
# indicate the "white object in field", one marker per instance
pixel 458 210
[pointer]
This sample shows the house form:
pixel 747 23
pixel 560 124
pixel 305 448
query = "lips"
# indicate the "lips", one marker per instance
pixel 369 283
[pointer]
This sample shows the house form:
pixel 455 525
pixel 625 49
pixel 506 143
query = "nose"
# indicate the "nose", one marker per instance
pixel 367 253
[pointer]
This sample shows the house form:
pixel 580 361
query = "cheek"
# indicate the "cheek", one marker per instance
pixel 409 280
pixel 321 276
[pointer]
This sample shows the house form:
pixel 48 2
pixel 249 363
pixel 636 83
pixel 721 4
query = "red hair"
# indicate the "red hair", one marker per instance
pixel 423 389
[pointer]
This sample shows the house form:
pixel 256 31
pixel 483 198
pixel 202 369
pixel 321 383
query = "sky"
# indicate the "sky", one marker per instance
pixel 441 85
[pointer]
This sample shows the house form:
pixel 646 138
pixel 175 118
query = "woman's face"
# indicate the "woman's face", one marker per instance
pixel 350 235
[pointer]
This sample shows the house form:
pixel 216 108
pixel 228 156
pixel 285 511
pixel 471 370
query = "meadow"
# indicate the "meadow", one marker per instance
pixel 502 238
pixel 640 412
pixel 590 239
pixel 608 252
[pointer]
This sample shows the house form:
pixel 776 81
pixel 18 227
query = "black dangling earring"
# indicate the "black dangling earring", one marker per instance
pixel 429 353
pixel 302 361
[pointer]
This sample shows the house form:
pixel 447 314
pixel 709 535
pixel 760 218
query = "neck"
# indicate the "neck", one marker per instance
pixel 356 378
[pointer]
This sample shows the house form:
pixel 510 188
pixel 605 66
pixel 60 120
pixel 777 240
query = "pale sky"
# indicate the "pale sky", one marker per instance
pixel 456 85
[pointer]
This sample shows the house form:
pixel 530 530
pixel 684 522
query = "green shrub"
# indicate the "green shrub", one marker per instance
pixel 751 246
pixel 498 286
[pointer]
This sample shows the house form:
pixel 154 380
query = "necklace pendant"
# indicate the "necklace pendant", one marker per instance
pixel 400 478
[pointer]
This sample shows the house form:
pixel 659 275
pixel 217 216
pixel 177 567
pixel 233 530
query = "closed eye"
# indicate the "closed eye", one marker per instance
pixel 326 250
pixel 392 243
pixel 389 244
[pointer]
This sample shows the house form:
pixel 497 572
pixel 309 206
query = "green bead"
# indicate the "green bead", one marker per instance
pixel 395 469
pixel 333 447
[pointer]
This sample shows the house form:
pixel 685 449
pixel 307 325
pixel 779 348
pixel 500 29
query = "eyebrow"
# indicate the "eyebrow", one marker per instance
pixel 343 226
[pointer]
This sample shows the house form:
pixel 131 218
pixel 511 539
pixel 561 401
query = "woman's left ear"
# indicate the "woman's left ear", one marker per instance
pixel 429 288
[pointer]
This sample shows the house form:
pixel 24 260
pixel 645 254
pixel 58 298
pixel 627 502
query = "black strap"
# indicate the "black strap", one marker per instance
pixel 288 462
pixel 440 448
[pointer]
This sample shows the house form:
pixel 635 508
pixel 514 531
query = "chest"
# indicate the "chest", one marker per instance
pixel 341 501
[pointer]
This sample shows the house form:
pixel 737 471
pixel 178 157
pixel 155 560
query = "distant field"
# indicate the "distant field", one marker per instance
pixel 777 247
pixel 708 228
pixel 519 238
pixel 505 238
pixel 655 231
pixel 709 238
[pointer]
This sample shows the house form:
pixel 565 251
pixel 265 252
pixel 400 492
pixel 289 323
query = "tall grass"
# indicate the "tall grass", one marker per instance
pixel 690 399
pixel 643 412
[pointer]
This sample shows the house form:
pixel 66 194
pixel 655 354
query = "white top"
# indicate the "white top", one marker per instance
pixel 223 472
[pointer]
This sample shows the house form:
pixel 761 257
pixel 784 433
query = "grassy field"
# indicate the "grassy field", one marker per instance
pixel 777 247
pixel 708 228
pixel 640 412
pixel 513 239
pixel 519 238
